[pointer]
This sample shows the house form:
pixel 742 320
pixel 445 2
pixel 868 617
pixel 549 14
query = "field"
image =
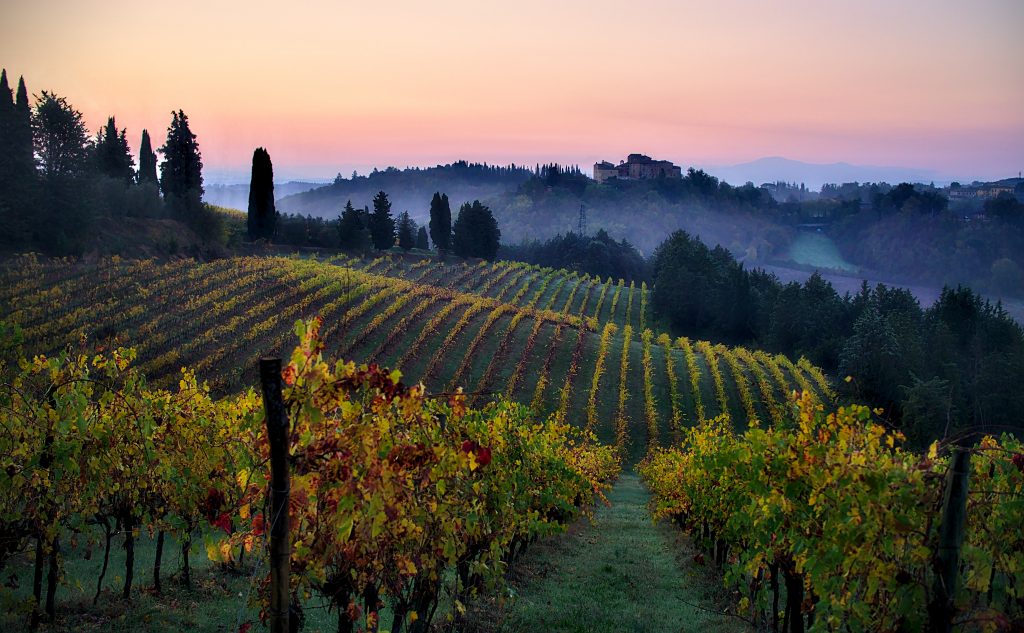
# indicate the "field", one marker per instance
pixel 567 344
pixel 573 348
pixel 817 250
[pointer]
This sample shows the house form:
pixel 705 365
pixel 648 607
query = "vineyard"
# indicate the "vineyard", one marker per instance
pixel 517 394
pixel 824 520
pixel 567 344
pixel 391 491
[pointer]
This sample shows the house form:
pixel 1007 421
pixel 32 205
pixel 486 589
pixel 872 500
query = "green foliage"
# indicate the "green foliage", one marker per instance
pixel 440 222
pixel 406 231
pixel 381 223
pixel 421 239
pixel 60 138
pixel 352 233
pixel 701 291
pixel 830 504
pixel 598 255
pixel 113 157
pixel 475 232
pixel 881 337
pixel 181 172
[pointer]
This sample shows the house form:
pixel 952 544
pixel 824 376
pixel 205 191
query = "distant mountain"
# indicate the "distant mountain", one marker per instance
pixel 237 196
pixel 814 175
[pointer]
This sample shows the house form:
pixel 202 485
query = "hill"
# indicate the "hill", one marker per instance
pixel 814 175
pixel 236 196
pixel 409 189
pixel 742 219
pixel 567 344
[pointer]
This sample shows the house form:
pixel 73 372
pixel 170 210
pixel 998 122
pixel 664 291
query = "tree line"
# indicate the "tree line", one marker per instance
pixel 950 368
pixel 599 255
pixel 57 180
pixel 474 233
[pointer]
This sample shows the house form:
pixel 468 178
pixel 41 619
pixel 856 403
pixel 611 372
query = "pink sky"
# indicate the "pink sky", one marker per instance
pixel 332 86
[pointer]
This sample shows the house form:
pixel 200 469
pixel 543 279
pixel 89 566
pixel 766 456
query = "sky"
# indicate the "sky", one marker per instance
pixel 334 86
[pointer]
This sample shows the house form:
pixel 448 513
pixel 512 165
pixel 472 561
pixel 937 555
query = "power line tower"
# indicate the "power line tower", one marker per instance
pixel 582 228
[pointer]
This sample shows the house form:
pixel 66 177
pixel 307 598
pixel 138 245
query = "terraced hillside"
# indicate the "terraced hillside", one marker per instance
pixel 568 344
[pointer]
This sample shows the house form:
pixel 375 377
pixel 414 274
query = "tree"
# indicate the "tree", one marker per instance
pixel 181 180
pixel 61 140
pixel 476 233
pixel 17 164
pixel 113 157
pixel 871 355
pixel 181 172
pixel 382 224
pixel 63 210
pixel 262 218
pixel 1006 208
pixel 352 231
pixel 406 231
pixel 147 161
pixel 21 134
pixel 440 222
pixel 6 136
pixel 421 239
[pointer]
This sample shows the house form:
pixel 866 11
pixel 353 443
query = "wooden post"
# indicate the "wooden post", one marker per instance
pixel 280 544
pixel 951 536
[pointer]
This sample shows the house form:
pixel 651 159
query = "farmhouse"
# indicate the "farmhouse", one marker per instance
pixel 636 167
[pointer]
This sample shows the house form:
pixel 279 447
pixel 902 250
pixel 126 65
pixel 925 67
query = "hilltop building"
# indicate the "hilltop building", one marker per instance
pixel 984 191
pixel 636 167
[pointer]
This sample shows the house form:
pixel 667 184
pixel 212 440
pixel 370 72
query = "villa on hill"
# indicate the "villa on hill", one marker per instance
pixel 636 167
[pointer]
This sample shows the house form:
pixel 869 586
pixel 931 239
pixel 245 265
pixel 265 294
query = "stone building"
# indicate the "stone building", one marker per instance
pixel 636 167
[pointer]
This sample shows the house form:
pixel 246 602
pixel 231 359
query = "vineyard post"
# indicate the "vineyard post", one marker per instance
pixel 951 536
pixel 277 435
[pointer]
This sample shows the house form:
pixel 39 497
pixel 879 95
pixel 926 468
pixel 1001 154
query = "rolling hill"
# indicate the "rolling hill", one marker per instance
pixel 568 344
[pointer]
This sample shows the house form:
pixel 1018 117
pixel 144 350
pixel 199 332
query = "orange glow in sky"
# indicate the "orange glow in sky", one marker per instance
pixel 329 86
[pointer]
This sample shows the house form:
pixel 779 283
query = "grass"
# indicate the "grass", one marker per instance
pixel 819 251
pixel 217 602
pixel 619 573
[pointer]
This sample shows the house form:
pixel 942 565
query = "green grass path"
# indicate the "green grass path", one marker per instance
pixel 620 573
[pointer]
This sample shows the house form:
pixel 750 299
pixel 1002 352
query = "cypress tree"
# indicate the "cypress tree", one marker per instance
pixel 6 94
pixel 6 129
pixel 262 217
pixel 421 239
pixel 382 224
pixel 17 161
pixel 181 172
pixel 17 165
pixel 406 231
pixel 440 222
pixel 147 161
pixel 113 157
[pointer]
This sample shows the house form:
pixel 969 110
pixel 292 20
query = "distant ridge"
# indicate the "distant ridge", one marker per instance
pixel 237 196
pixel 814 175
